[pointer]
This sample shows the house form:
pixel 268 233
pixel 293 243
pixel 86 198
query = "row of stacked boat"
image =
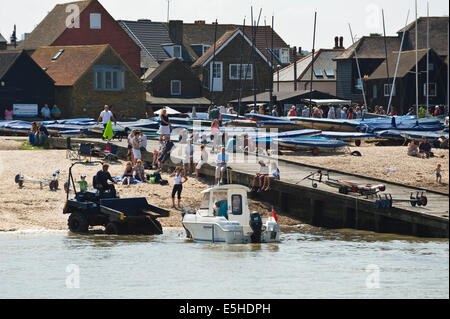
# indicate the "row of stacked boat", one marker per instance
pixel 291 132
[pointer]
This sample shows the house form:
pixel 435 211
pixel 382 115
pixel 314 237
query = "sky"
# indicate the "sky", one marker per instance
pixel 294 19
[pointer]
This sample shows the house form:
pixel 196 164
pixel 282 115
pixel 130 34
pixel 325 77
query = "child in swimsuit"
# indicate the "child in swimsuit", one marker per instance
pixel 438 174
pixel 128 174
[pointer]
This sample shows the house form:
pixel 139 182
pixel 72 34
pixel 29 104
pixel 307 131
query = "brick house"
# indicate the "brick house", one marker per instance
pixel 174 84
pixel 88 77
pixel 22 81
pixel 234 68
pixel 83 23
pixel 404 96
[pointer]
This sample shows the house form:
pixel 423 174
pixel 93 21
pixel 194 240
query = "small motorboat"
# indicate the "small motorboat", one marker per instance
pixel 224 217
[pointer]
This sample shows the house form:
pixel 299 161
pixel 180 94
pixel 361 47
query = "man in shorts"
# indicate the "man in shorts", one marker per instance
pixel 165 153
pixel 221 165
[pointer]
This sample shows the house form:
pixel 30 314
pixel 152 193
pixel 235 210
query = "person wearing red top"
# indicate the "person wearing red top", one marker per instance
pixel 292 111
pixel 437 111
pixel 350 114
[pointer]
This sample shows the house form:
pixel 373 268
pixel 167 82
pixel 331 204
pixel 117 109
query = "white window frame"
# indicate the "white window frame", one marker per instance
pixel 172 92
pixel 283 55
pixel 95 21
pixel 387 89
pixel 181 52
pixel 101 83
pixel 242 75
pixel 425 89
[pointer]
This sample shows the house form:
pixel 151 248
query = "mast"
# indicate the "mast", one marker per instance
pixel 357 65
pixel 398 62
pixel 312 63
pixel 417 71
pixel 385 50
pixel 271 62
pixel 213 65
pixel 428 57
pixel 240 77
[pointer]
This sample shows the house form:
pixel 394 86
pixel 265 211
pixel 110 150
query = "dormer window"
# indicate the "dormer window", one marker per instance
pixel 282 55
pixel 205 48
pixel 96 21
pixel 177 51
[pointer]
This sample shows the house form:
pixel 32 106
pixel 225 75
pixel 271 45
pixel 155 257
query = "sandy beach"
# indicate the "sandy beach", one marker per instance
pixel 32 207
pixel 388 163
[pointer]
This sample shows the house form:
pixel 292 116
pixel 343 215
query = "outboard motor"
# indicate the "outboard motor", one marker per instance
pixel 256 226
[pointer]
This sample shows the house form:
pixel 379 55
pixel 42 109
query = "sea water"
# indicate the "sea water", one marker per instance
pixel 308 263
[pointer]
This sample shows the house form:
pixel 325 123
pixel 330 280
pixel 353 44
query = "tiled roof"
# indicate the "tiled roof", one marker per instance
pixel 71 64
pixel 407 63
pixel 371 48
pixel 205 34
pixel 438 34
pixel 160 69
pixel 323 60
pixel 7 59
pixel 51 27
pixel 151 37
pixel 2 39
pixel 210 52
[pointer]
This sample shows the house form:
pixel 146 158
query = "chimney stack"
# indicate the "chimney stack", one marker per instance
pixel 199 22
pixel 176 31
pixel 336 42
pixel 341 43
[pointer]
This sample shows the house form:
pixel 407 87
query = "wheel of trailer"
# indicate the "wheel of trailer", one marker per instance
pixel 413 203
pixel 315 151
pixel 424 200
pixel 78 223
pixel 113 228
pixel 358 143
pixel 418 201
pixel 314 185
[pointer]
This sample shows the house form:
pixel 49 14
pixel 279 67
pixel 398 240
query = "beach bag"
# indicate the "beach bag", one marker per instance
pixel 163 182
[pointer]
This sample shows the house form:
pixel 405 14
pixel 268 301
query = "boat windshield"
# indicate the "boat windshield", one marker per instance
pixel 204 205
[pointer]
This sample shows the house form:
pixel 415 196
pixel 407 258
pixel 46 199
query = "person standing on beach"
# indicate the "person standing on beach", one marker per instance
pixel 438 171
pixel 178 185
pixel 105 116
pixel 136 148
pixel 165 126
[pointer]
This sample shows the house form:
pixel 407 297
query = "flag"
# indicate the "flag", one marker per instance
pixel 274 215
pixel 108 133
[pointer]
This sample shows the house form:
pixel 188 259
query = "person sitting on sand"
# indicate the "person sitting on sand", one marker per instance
pixel 83 184
pixel 157 151
pixel 102 178
pixel 139 171
pixel 274 175
pixel 413 149
pixel 438 171
pixel 425 148
pixel 260 176
pixel 178 185
pixel 127 174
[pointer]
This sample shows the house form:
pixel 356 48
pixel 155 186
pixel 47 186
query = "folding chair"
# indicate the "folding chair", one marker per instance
pixel 71 152
pixel 111 154
pixel 85 150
